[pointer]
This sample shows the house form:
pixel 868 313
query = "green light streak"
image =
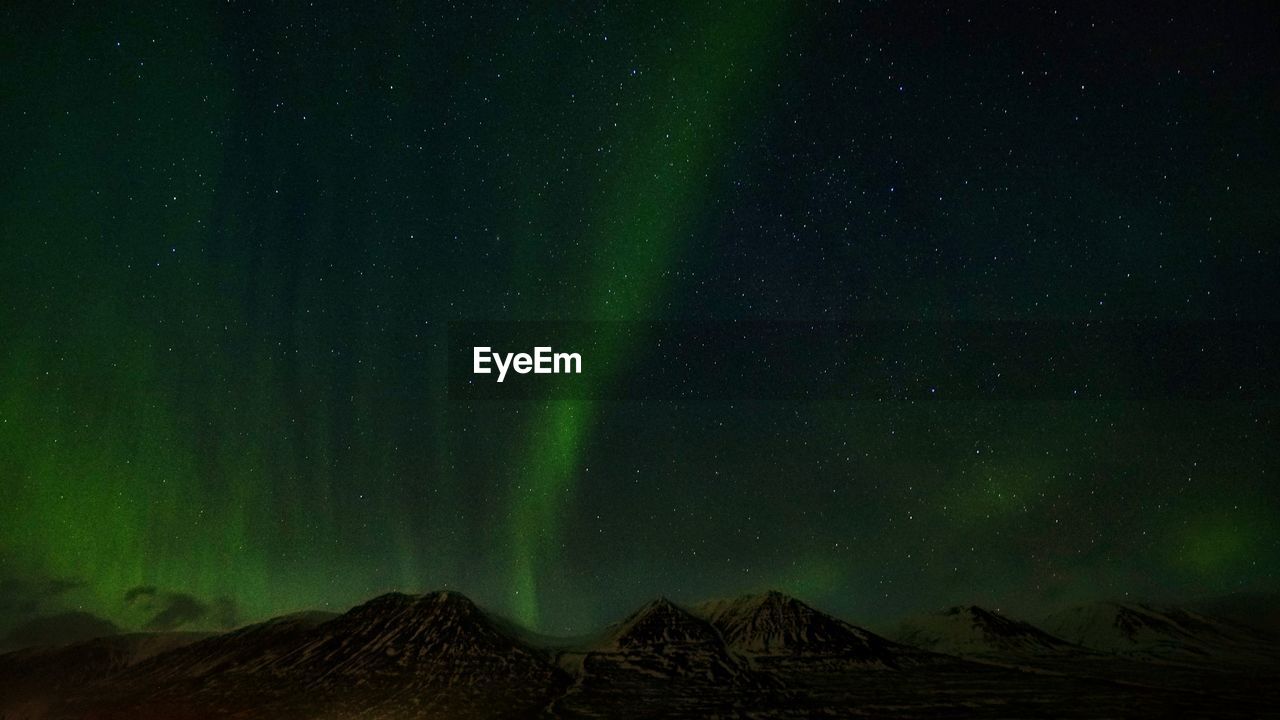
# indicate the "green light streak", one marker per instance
pixel 638 230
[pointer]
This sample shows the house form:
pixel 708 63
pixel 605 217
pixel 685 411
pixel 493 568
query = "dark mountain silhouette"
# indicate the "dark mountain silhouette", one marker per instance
pixel 1170 633
pixel 40 677
pixel 661 657
pixel 53 630
pixel 243 650
pixel 440 638
pixel 772 628
pixel 761 656
pixel 433 655
pixel 671 640
pixel 1260 611
pixel 974 631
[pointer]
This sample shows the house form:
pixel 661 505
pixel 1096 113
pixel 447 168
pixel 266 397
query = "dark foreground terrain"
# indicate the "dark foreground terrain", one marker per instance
pixel 765 656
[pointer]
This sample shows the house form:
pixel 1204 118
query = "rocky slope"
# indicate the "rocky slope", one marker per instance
pixel 35 679
pixel 396 656
pixel 772 628
pixel 1167 633
pixel 974 631
pixel 661 657
pixel 765 656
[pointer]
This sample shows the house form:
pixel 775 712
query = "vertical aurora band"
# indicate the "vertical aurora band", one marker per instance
pixel 639 229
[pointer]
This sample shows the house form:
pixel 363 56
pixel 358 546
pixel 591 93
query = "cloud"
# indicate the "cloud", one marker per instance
pixel 60 629
pixel 168 610
pixel 42 609
pixel 24 596
pixel 143 595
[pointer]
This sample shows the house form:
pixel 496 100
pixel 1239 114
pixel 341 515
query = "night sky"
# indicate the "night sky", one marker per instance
pixel 239 241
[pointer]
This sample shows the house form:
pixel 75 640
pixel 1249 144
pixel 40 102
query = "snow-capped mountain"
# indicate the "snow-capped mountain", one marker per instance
pixel 774 625
pixel 972 630
pixel 1248 609
pixel 1159 632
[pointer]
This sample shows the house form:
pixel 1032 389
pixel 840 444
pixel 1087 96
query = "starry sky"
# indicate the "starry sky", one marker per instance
pixel 890 306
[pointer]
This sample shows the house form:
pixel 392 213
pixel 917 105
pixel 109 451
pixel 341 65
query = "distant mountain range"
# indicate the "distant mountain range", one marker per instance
pixel 60 629
pixel 1260 611
pixel 1167 633
pixel 438 655
pixel 971 630
pixel 773 628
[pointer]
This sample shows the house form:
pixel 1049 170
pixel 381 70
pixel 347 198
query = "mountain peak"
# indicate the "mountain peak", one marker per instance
pixel 662 639
pixel 755 601
pixel 660 622
pixel 437 647
pixel 435 637
pixel 435 597
pixel 978 614
pixel 975 630
pixel 771 598
pixel 773 623
pixel 1140 628
pixel 660 603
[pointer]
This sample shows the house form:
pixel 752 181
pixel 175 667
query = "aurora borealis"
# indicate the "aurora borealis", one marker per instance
pixel 236 238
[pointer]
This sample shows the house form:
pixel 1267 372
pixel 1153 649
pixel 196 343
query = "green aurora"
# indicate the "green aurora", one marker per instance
pixel 235 240
pixel 639 228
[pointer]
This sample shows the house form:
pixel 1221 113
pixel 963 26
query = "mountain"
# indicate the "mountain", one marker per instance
pixel 441 638
pixel 37 677
pixel 396 656
pixel 763 656
pixel 661 658
pixel 239 650
pixel 428 655
pixel 971 630
pixel 54 630
pixel 1157 632
pixel 666 639
pixel 776 627
pixel 1255 610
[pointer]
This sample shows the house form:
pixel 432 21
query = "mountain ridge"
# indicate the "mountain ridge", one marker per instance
pixel 439 654
pixel 777 626
pixel 1156 631
pixel 967 630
